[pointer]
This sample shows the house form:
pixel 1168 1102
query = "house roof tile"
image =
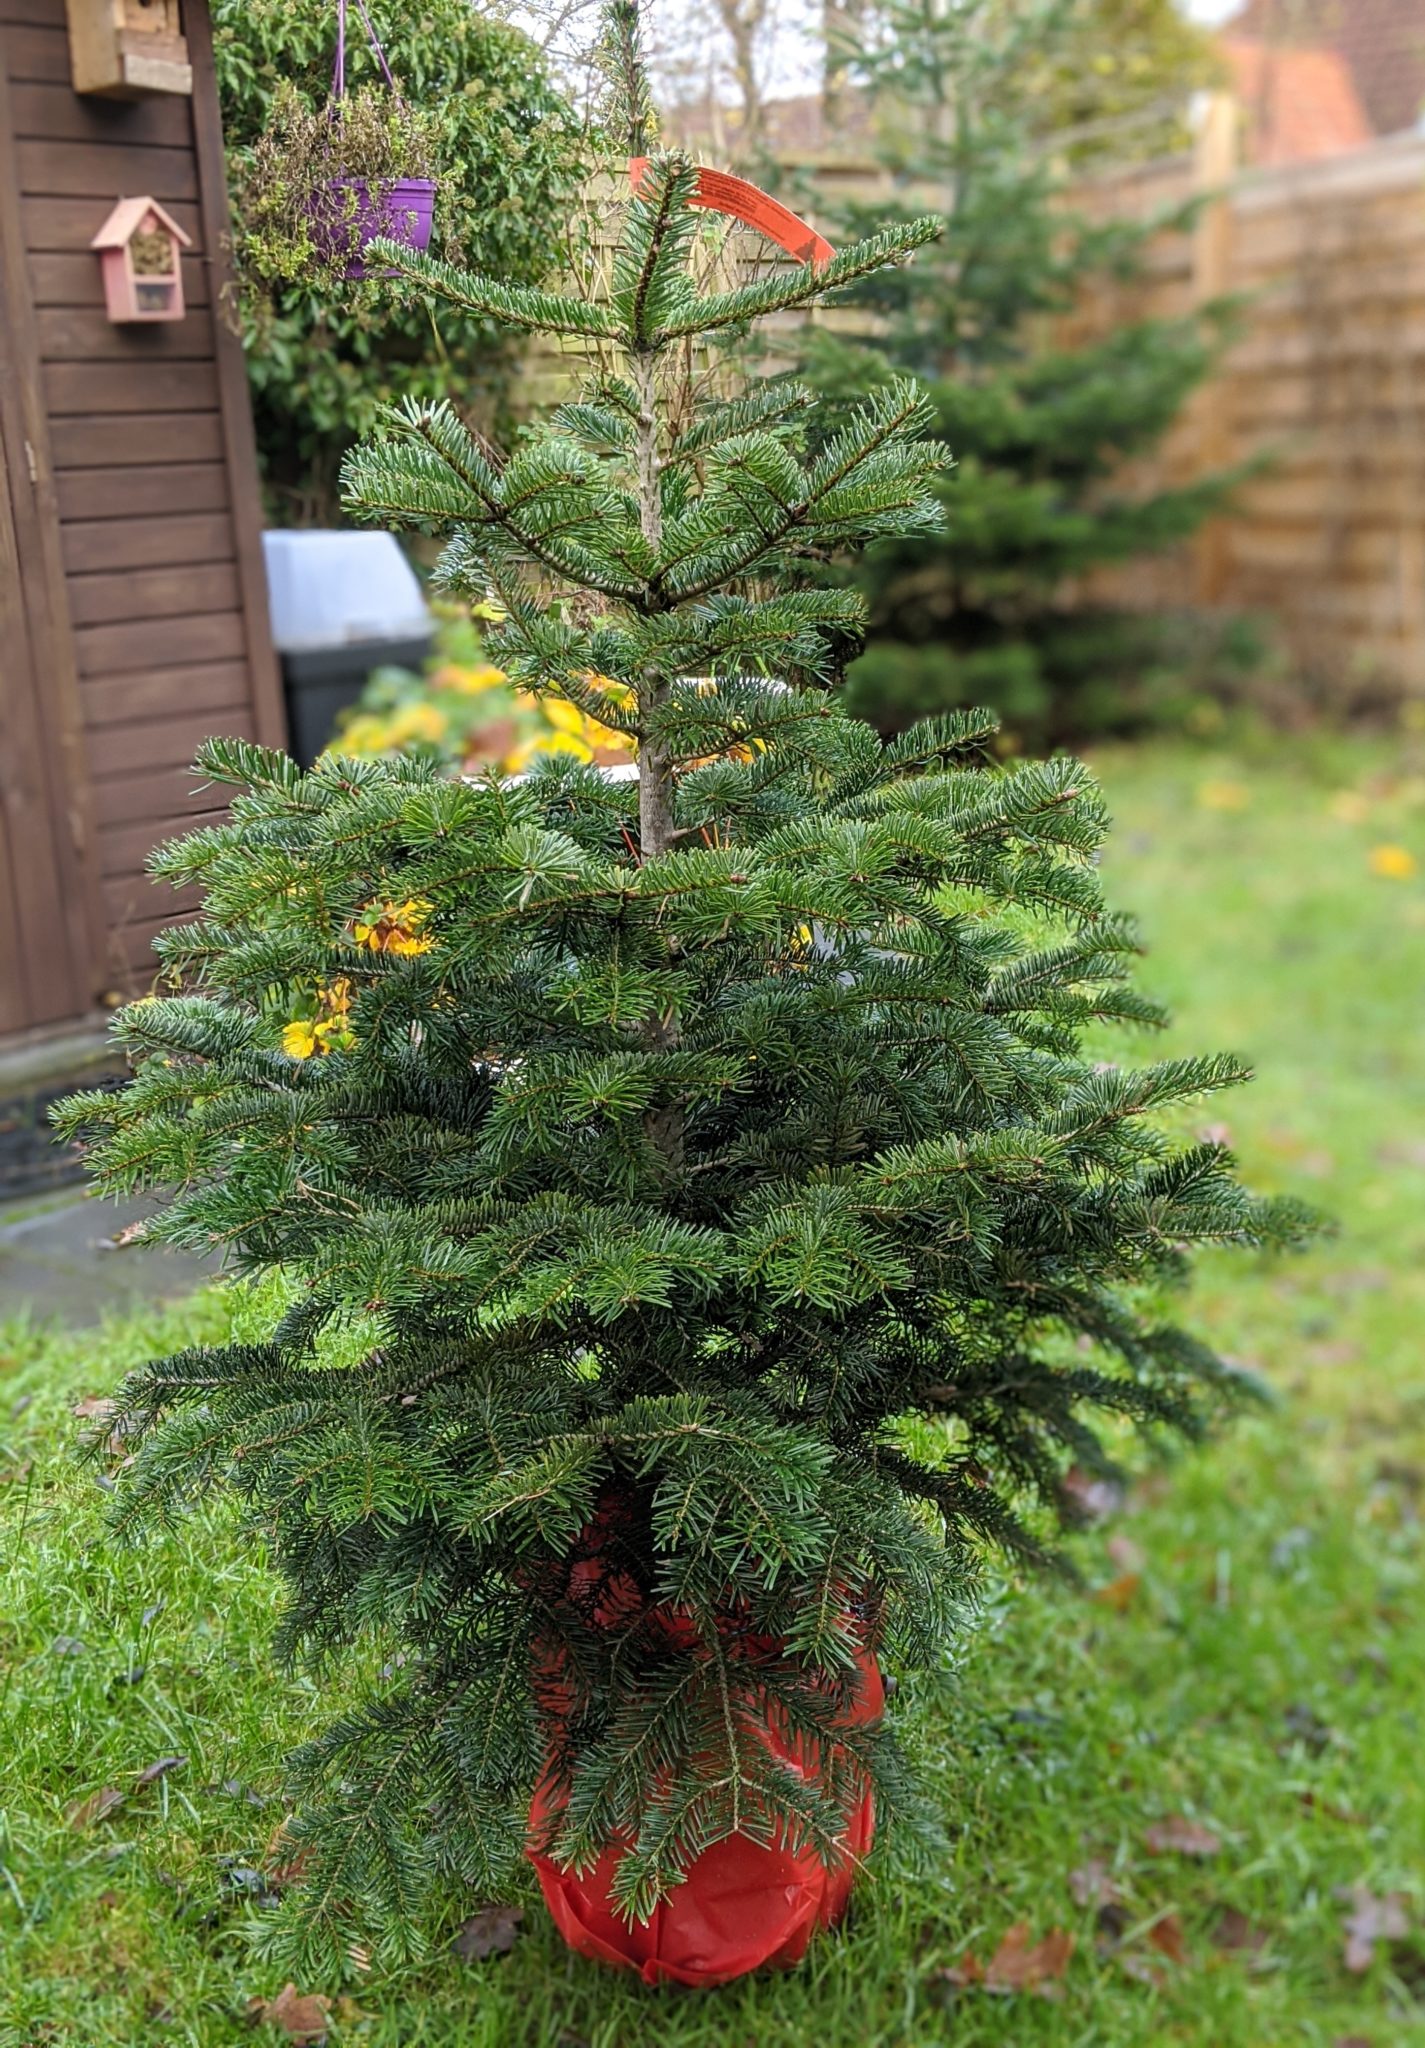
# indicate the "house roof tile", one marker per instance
pixel 1383 42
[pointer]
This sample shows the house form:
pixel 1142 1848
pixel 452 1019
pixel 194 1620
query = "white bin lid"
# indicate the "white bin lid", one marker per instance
pixel 329 589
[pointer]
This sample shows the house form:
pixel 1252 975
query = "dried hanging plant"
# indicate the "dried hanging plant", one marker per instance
pixel 317 172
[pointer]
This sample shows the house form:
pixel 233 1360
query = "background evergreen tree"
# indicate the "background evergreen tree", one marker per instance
pixel 706 1230
pixel 972 102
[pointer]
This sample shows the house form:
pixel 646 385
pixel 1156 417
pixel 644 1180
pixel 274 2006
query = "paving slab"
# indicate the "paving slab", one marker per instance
pixel 59 1260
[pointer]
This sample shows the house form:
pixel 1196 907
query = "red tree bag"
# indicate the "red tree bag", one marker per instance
pixel 743 1905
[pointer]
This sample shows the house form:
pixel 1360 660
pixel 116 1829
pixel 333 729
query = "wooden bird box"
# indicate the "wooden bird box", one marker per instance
pixel 140 247
pixel 125 48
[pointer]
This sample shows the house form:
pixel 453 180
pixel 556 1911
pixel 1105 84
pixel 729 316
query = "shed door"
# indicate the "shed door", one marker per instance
pixel 43 963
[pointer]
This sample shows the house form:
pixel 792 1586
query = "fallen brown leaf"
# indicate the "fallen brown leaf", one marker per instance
pixel 1019 1964
pixel 1092 1885
pixel 1370 1920
pixel 1178 1836
pixel 98 1806
pixel 1357 1280
pixel 17 1474
pixel 282 1876
pixel 493 1930
pixel 1166 1935
pixel 1304 1726
pixel 1341 1352
pixel 1142 1969
pixel 1119 1593
pixel 969 1970
pixel 1403 1152
pixel 1111 1923
pixel 302 2015
pixel 93 1408
pixel 1314 1804
pixel 159 1769
pixel 1233 1931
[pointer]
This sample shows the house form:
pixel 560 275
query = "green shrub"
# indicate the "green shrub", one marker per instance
pixel 1044 427
pixel 323 356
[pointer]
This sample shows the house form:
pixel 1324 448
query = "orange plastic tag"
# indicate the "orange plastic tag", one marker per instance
pixel 720 192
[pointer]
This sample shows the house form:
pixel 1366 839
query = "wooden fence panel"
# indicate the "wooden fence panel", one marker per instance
pixel 1326 381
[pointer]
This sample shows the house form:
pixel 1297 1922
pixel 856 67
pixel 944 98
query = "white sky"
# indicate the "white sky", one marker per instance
pixel 791 58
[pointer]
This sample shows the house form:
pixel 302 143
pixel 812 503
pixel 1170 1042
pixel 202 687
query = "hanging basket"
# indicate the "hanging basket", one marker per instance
pixel 743 1905
pixel 346 212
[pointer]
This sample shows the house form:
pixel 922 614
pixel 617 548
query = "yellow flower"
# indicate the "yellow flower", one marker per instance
pixel 468 679
pixel 608 686
pixel 335 999
pixel 365 734
pixel 417 721
pixel 331 1026
pixel 1396 863
pixel 1349 806
pixel 563 716
pixel 572 743
pixel 1223 796
pixel 299 1038
pixel 388 927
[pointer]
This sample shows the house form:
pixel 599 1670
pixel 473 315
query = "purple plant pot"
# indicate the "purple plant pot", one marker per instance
pixel 347 213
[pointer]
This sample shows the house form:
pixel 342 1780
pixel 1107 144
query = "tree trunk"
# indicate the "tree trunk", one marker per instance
pixel 663 1122
pixel 744 20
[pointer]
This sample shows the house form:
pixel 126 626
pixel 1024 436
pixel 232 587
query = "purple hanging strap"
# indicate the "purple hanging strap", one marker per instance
pixel 339 71
pixel 376 49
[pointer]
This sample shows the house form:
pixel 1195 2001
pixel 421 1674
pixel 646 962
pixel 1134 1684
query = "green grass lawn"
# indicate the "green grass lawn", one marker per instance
pixel 1248 1654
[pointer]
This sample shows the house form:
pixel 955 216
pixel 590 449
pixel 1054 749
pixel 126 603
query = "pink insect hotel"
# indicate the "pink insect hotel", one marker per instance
pixel 140 249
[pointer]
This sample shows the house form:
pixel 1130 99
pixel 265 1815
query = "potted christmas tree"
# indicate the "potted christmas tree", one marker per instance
pixel 703 1226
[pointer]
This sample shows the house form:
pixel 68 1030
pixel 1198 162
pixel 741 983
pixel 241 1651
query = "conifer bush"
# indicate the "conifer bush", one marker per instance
pixel 977 99
pixel 715 1163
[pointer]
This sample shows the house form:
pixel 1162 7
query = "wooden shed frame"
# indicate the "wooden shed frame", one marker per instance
pixel 133 604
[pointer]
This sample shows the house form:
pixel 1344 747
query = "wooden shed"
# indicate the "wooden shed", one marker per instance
pixel 133 611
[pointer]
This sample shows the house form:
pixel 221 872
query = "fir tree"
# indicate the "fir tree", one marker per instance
pixel 982 611
pixel 705 1231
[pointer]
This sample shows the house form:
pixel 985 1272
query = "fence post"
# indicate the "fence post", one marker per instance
pixel 1215 165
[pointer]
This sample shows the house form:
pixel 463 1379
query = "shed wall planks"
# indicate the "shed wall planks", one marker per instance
pixel 139 542
pixel 143 455
pixel 146 440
